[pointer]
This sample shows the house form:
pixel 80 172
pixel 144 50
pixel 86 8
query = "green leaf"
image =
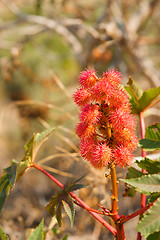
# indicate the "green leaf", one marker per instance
pixel 11 172
pixel 145 184
pixel 135 93
pixel 69 209
pixel 149 145
pixel 136 90
pixel 35 142
pixel 150 223
pixel 37 234
pixel 154 236
pixel 149 97
pixel 3 236
pixel 7 182
pixel 133 173
pixel 39 139
pixel 149 165
pixel 59 214
pixel 71 205
pixel 32 148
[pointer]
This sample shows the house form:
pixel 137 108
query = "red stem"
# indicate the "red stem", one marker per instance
pixel 93 210
pixel 84 205
pixel 143 196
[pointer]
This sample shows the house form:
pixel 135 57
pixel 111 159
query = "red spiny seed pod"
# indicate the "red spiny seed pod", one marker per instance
pixel 88 78
pixel 121 118
pixel 90 114
pixel 85 130
pixel 125 138
pixel 106 127
pixel 101 155
pixel 82 96
pixel 113 76
pixel 122 156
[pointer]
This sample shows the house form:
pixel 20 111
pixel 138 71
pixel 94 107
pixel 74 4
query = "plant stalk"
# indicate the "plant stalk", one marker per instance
pixel 114 198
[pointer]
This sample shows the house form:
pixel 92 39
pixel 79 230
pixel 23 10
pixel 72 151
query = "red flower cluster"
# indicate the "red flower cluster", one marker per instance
pixel 106 125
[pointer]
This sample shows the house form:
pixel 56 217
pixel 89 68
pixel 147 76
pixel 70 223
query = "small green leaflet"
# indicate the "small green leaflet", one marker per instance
pixel 37 234
pixel 7 182
pixel 10 177
pixel 56 203
pixel 35 142
pixel 150 223
pixel 3 236
pixel 69 209
pixel 64 200
pixel 145 184
pixel 141 100
pixel 59 213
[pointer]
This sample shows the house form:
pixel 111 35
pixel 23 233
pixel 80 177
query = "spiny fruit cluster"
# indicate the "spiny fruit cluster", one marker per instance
pixel 106 128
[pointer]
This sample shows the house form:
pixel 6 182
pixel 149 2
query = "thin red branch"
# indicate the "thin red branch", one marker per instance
pixel 92 210
pixel 83 204
pixel 105 209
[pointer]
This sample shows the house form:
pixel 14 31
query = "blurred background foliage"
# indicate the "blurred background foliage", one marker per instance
pixel 44 44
